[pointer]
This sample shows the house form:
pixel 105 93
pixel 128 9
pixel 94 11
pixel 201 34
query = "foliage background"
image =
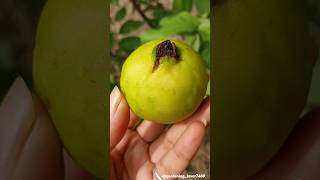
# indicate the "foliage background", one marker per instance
pixel 314 15
pixel 137 21
pixel 18 22
pixel 134 22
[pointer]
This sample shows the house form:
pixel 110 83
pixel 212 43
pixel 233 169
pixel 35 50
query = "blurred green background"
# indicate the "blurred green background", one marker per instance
pixel 314 14
pixel 18 21
pixel 134 22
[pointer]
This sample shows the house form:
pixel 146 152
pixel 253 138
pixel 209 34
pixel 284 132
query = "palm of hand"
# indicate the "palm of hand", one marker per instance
pixel 136 153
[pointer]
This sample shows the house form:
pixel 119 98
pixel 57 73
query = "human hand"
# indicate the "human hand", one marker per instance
pixel 136 153
pixel 29 144
pixel 30 147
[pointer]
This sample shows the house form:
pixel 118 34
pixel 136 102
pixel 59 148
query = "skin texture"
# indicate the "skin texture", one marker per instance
pixel 69 70
pixel 30 146
pixel 263 59
pixel 41 156
pixel 170 92
pixel 135 153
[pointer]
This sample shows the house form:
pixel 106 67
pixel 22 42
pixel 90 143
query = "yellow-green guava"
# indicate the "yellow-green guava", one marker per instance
pixel 262 64
pixel 70 75
pixel 164 81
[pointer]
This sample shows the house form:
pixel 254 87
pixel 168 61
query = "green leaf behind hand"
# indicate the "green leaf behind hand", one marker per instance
pixel 130 26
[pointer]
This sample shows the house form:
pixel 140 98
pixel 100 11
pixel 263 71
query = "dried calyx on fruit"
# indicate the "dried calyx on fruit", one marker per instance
pixel 165 49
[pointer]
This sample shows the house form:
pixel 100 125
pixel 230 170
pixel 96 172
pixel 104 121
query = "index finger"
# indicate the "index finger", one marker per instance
pixel 119 117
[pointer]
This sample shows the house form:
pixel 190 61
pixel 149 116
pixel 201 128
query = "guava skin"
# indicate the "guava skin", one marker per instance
pixel 262 65
pixel 69 71
pixel 170 92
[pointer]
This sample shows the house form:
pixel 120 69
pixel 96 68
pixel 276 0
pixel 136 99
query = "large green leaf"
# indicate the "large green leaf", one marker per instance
pixel 203 7
pixel 196 43
pixel 189 39
pixel 205 53
pixel 129 43
pixel 183 19
pixel 183 22
pixel 182 5
pixel 204 30
pixel 130 26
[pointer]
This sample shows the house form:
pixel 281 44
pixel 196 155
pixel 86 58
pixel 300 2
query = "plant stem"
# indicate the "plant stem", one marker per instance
pixel 137 7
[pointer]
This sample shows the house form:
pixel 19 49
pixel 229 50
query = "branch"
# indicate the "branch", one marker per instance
pixel 137 7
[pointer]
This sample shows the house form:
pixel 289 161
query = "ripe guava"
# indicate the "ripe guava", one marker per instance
pixel 262 64
pixel 70 75
pixel 164 81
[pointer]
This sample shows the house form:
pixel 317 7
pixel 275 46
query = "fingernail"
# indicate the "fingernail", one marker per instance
pixel 206 117
pixel 204 121
pixel 115 98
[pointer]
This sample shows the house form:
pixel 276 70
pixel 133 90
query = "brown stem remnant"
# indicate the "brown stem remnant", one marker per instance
pixel 166 48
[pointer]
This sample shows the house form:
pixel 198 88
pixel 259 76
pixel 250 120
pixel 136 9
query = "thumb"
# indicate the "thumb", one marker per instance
pixel 30 148
pixel 119 117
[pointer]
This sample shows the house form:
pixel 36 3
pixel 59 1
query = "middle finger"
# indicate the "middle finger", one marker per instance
pixel 149 131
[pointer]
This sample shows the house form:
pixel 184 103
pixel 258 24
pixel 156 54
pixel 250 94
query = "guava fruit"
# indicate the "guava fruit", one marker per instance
pixel 70 75
pixel 262 63
pixel 164 81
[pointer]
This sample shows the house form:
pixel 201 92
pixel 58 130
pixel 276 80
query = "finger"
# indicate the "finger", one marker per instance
pixel 299 158
pixel 133 119
pixel 178 158
pixel 165 142
pixel 117 166
pixel 29 144
pixel 149 131
pixel 30 148
pixel 73 171
pixel 136 156
pixel 16 120
pixel 123 144
pixel 115 98
pixel 41 156
pixel 119 117
pixel 130 158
